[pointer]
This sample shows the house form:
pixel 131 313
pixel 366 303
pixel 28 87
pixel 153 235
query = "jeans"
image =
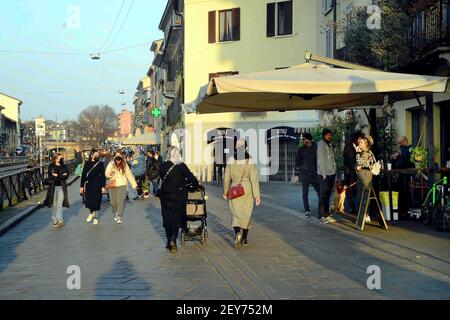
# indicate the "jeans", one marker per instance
pixel 155 186
pixel 308 180
pixel 140 181
pixel 326 189
pixel 365 178
pixel 58 200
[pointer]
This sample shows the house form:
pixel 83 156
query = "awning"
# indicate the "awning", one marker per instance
pixel 146 139
pixel 309 87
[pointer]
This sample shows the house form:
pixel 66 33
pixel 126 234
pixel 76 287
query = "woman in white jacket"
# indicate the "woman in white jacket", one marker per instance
pixel 120 174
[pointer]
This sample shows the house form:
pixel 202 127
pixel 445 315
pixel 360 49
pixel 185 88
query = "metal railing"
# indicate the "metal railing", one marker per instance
pixel 20 185
pixel 10 161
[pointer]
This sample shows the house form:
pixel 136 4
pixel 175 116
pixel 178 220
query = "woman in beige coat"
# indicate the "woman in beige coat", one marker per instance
pixel 241 167
pixel 119 171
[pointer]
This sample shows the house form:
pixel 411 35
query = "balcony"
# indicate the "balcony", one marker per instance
pixel 430 27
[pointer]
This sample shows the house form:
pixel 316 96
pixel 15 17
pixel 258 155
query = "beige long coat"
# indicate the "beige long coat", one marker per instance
pixel 242 207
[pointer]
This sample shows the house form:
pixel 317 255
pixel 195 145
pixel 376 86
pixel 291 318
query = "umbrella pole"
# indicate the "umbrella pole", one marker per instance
pixel 430 137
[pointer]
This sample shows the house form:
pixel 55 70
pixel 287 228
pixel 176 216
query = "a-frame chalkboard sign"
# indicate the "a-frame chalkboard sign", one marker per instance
pixel 367 196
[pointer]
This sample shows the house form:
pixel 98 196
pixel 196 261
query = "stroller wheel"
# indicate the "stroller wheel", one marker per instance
pixel 183 238
pixel 204 236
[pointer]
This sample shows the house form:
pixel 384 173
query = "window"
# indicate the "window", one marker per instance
pixel 279 18
pixel 229 25
pixel 349 15
pixel 329 43
pixel 326 6
pixel 226 26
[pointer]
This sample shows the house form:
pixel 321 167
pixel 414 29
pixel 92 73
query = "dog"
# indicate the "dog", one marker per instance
pixel 339 197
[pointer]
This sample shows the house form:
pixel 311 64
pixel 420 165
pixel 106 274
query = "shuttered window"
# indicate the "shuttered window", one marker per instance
pixel 270 20
pixel 222 74
pixel 279 18
pixel 211 26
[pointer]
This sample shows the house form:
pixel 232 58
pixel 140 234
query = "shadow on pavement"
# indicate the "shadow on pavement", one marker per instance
pixel 348 255
pixel 122 283
pixel 33 224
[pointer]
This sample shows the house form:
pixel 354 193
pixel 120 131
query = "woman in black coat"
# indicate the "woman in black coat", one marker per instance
pixel 176 179
pixel 57 196
pixel 93 185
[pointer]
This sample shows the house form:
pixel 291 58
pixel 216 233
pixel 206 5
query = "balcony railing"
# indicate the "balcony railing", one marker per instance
pixel 430 27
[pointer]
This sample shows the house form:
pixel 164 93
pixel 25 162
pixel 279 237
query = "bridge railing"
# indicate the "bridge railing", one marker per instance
pixel 19 185
pixel 11 161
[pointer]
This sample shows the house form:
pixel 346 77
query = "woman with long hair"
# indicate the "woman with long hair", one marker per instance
pixel 57 196
pixel 92 185
pixel 176 178
pixel 119 174
pixel 364 162
pixel 241 169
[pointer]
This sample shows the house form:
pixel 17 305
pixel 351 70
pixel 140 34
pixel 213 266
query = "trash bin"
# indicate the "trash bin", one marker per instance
pixel 384 198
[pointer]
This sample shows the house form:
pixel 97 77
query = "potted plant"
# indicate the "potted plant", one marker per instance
pixel 419 156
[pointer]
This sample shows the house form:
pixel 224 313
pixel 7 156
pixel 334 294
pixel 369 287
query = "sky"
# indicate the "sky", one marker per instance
pixel 59 86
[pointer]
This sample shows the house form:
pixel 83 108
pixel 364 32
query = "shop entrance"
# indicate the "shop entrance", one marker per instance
pixel 288 142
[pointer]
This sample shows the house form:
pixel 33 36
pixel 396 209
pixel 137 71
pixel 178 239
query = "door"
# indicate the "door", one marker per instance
pixel 286 154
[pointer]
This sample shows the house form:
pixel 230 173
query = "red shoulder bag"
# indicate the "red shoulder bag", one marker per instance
pixel 238 190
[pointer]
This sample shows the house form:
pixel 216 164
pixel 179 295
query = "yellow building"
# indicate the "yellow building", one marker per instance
pixel 224 37
pixel 9 123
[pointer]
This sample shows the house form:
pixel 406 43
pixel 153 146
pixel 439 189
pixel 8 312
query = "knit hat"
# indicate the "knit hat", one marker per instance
pixel 308 136
pixel 325 132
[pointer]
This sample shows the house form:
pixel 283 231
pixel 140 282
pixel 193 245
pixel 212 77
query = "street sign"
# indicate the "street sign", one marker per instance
pixel 40 127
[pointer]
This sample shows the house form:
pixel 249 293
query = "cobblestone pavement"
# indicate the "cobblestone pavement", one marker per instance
pixel 289 257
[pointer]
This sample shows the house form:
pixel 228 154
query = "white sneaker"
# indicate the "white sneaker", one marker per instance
pixel 324 220
pixel 368 219
pixel 331 219
pixel 90 217
pixel 119 221
pixel 115 220
pixel 96 222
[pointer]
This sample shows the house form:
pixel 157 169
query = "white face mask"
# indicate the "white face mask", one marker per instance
pixel 156 156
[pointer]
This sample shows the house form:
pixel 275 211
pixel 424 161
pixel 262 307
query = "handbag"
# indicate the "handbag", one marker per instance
pixel 161 181
pixel 238 191
pixel 376 168
pixel 111 184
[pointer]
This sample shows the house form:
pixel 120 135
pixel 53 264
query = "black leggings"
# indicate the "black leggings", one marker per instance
pixel 244 232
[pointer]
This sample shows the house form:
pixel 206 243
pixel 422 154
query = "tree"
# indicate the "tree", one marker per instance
pixel 96 124
pixel 389 47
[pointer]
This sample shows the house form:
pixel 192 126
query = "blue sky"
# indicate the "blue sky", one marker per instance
pixel 63 85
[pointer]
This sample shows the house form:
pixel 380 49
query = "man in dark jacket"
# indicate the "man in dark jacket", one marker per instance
pixel 306 169
pixel 350 151
pixel 153 166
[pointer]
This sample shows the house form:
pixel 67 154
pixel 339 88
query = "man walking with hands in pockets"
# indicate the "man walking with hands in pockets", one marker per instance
pixel 326 168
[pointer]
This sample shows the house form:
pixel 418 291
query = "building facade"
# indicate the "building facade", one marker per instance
pixel 429 33
pixel 9 123
pixel 238 37
pixel 126 120
pixel 141 105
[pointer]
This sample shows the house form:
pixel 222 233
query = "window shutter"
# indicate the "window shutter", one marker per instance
pixel 270 20
pixel 289 18
pixel 212 27
pixel 236 13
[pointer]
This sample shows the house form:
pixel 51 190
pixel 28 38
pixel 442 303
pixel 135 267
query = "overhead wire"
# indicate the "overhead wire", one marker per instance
pixel 121 26
pixel 114 26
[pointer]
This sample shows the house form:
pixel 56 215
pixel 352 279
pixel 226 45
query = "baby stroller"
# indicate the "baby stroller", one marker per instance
pixel 196 225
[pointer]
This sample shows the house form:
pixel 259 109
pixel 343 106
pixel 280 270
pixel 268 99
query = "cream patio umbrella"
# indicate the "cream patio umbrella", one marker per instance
pixel 309 86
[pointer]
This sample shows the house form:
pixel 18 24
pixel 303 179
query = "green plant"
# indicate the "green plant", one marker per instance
pixel 419 156
pixel 342 127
